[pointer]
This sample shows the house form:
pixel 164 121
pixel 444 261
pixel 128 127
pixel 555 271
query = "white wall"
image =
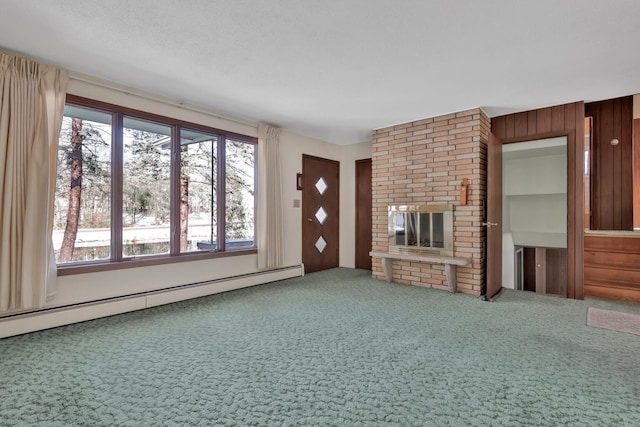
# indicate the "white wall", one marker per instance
pixel 79 288
pixel 293 147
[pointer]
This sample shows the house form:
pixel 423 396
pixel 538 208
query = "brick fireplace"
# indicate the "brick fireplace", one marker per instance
pixel 423 163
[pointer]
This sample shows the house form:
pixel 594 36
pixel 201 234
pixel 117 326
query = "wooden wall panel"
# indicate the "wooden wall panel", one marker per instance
pixel 520 125
pixel 636 174
pixel 561 120
pixel 363 213
pixel 556 271
pixel 557 118
pixel 544 120
pixel 612 172
pixel 604 260
pixel 529 266
pixel 612 267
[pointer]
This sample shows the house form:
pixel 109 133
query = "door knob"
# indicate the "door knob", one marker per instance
pixel 490 224
pixel 309 219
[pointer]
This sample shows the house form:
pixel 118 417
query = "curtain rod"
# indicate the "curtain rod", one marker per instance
pixel 157 98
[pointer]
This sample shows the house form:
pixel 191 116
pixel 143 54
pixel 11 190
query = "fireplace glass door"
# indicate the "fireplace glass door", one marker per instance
pixel 420 230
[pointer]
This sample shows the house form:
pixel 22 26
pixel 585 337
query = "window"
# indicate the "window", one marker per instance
pixel 198 191
pixel 239 183
pixel 146 188
pixel 134 187
pixel 82 204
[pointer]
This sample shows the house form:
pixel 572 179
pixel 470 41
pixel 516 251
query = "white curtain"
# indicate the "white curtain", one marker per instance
pixel 270 250
pixel 31 107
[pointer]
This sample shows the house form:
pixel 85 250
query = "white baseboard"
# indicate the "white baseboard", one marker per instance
pixel 51 318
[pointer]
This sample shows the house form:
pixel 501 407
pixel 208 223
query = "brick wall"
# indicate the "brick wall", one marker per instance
pixel 424 162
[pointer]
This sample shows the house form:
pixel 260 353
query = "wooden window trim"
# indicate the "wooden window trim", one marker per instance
pixel 147 261
pixel 118 261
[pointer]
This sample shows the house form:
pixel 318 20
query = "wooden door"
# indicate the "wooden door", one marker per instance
pixel 494 217
pixel 320 213
pixel 363 214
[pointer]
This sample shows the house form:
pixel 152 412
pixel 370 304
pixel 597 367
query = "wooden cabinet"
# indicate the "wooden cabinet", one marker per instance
pixel 612 266
pixel 545 270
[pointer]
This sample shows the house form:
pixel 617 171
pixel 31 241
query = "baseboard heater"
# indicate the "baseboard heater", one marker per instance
pixel 23 323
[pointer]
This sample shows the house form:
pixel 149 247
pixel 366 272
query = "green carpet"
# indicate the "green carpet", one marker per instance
pixel 330 348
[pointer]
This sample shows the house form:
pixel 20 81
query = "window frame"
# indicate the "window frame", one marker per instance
pixel 117 260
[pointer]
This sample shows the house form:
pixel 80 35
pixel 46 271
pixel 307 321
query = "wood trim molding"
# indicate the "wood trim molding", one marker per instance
pixel 636 173
pixel 561 120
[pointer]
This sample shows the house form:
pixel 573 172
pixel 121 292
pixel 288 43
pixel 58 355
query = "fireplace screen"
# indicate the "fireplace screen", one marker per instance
pixel 421 228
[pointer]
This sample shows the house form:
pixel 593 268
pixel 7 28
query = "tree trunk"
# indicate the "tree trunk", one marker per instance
pixel 73 212
pixel 184 214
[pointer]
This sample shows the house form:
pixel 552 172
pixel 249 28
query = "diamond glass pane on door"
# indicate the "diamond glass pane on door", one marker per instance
pixel 321 186
pixel 321 244
pixel 321 215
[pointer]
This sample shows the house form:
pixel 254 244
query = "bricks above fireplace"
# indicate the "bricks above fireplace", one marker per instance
pixel 424 162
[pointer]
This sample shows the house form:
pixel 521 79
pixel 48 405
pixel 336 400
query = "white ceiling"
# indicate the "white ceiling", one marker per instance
pixel 335 70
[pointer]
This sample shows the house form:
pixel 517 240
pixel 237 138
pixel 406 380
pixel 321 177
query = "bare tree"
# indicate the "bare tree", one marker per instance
pixel 73 212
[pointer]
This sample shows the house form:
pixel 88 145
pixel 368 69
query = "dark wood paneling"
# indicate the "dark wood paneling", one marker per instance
pixel 556 271
pixel 626 173
pixel 612 267
pixel 509 127
pixel 612 165
pixel 611 292
pixel 494 215
pixel 545 123
pixel 611 243
pixel 520 125
pixel 532 117
pixel 545 270
pixel 557 118
pixel 529 266
pixel 621 278
pixel 609 260
pixel 544 120
pixel 636 173
pixel 363 214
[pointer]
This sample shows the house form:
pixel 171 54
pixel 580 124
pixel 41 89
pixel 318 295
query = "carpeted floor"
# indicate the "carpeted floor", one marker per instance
pixel 330 348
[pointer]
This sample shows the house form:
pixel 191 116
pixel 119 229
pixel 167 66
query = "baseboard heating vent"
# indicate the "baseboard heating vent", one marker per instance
pixel 47 318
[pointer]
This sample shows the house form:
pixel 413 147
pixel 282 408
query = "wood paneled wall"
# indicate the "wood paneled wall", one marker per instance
pixel 561 120
pixel 611 165
pixel 636 173
pixel 612 267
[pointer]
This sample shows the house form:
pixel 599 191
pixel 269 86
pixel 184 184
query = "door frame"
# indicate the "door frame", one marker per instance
pixel 308 186
pixel 494 218
pixel 359 209
pixel 575 232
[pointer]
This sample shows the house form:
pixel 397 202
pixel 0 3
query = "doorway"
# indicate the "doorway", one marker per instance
pixel 534 254
pixel 320 213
